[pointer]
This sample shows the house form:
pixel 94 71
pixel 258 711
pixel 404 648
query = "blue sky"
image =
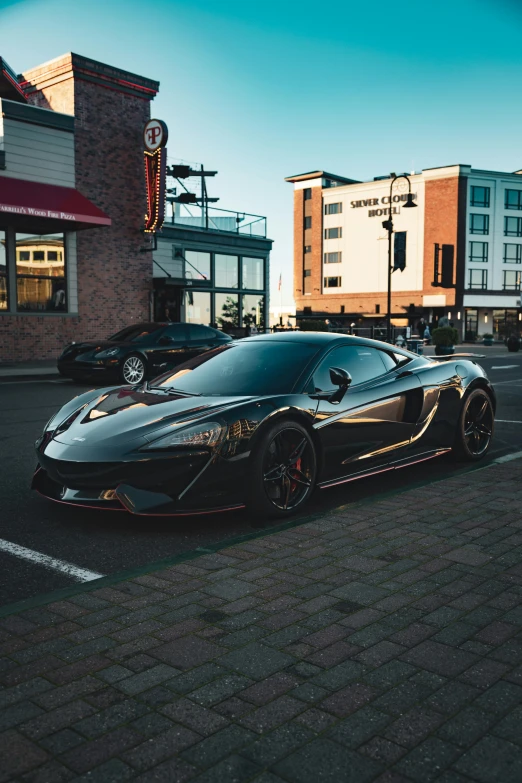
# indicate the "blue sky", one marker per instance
pixel 262 90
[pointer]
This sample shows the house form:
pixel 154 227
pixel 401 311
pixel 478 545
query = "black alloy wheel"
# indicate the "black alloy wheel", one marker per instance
pixel 284 471
pixel 475 427
pixel 132 369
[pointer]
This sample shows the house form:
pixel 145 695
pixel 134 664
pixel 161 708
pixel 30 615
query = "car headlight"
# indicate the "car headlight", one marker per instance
pixel 107 352
pixel 201 435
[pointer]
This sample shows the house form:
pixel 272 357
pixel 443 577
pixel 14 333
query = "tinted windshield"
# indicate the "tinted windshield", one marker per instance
pixel 258 367
pixel 134 334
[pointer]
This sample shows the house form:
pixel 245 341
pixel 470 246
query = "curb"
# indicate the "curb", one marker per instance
pixel 111 579
pixel 36 376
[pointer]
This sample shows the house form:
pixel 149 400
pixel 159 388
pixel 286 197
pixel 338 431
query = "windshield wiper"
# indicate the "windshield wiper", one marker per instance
pixel 172 390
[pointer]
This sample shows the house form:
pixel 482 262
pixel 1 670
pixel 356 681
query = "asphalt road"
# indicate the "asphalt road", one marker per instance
pixel 108 542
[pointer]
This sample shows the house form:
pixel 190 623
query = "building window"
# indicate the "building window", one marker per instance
pixel 307 281
pixel 512 254
pixel 513 199
pixel 342 308
pixel 226 271
pixel 471 324
pixel 307 272
pixel 512 227
pixel 308 222
pixel 479 197
pixel 478 224
pixel 377 309
pixel 197 264
pixel 332 282
pixel 333 209
pixel 40 273
pixel 478 278
pixel 197 307
pixel 478 251
pixel 254 311
pixel 308 248
pixel 333 233
pixel 333 258
pixel 4 288
pixel 226 310
pixel 511 280
pixel 253 270
pixel 308 194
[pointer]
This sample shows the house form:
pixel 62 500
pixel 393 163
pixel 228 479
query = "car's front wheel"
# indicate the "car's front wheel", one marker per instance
pixel 132 369
pixel 283 471
pixel 475 427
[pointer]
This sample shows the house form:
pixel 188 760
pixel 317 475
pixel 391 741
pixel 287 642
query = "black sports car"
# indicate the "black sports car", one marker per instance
pixel 139 351
pixel 260 422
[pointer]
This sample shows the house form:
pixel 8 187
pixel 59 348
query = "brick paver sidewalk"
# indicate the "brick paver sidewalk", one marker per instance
pixel 381 643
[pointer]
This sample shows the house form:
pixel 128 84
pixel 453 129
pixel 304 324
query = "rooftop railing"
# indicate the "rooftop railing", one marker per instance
pixel 215 219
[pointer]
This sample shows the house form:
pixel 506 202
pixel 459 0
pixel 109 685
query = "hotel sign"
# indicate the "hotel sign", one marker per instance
pixel 379 211
pixel 155 135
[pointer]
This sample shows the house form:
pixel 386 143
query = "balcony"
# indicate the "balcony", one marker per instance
pixel 215 219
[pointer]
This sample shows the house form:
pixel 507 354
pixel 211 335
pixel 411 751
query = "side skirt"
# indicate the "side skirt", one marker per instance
pixel 404 463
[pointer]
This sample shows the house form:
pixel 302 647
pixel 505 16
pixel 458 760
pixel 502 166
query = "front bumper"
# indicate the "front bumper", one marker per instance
pixel 75 369
pixel 172 484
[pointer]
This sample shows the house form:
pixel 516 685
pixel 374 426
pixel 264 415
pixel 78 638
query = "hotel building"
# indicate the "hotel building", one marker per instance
pixel 463 249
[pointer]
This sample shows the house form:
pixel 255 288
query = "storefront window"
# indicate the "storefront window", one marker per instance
pixel 226 271
pixel 227 311
pixel 197 266
pixel 3 272
pixel 254 311
pixel 40 272
pixel 505 323
pixel 197 307
pixel 253 273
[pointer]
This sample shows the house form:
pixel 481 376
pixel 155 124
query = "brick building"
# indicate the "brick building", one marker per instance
pixel 463 249
pixel 72 201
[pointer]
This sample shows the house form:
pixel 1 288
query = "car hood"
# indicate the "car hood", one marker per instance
pixel 91 346
pixel 124 414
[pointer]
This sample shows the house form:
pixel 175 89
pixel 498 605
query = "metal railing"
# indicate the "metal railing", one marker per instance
pixel 216 219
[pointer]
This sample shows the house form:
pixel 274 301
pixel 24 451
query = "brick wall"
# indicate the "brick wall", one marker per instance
pixel 114 277
pixel 440 227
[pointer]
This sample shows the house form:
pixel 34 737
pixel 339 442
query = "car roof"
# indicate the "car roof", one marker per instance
pixel 323 339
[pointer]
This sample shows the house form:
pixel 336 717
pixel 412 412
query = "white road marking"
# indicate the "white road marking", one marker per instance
pixel 80 574
pixel 509 457
pixel 505 366
pixel 514 382
pixel 508 421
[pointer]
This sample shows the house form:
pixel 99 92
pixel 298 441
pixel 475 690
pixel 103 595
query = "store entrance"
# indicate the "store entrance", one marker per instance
pixel 167 303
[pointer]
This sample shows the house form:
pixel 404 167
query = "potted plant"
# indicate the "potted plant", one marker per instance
pixel 487 338
pixel 444 339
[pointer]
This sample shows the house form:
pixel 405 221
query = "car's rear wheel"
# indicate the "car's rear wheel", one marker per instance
pixel 132 369
pixel 283 471
pixel 475 427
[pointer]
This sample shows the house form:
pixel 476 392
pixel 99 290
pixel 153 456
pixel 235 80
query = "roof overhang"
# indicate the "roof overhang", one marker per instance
pixel 9 87
pixel 321 175
pixel 37 207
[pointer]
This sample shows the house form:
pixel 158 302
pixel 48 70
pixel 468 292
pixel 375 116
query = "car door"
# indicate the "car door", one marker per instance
pixel 171 347
pixel 375 419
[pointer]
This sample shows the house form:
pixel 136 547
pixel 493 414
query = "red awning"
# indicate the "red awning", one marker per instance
pixel 39 207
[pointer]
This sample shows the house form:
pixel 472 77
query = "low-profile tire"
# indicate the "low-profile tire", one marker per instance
pixel 133 369
pixel 474 428
pixel 282 471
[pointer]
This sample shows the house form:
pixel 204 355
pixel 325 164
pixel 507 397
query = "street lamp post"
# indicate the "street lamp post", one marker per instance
pixel 388 225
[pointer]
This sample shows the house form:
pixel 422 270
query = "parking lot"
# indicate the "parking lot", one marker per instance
pixel 85 543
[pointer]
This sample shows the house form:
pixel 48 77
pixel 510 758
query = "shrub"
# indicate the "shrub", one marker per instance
pixel 445 335
pixel 313 326
pixel 487 336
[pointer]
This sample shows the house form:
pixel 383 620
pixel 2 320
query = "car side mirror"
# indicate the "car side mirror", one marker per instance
pixel 340 377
